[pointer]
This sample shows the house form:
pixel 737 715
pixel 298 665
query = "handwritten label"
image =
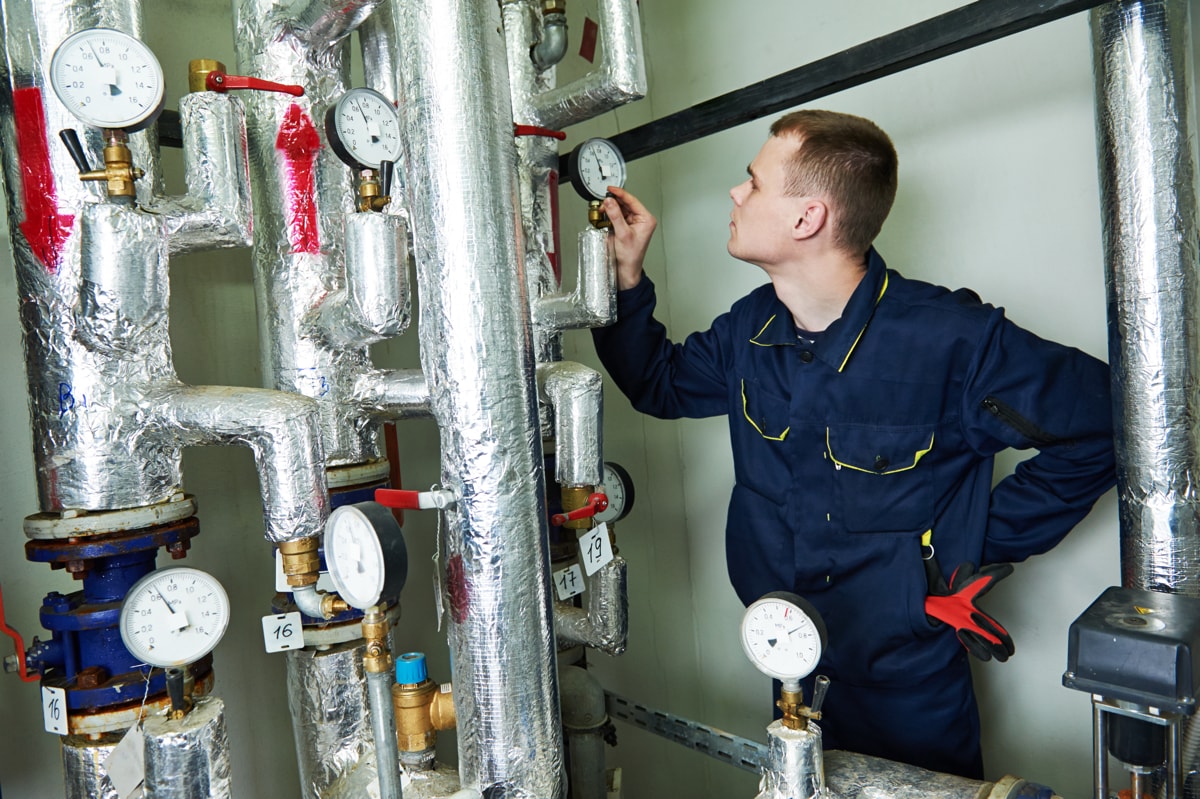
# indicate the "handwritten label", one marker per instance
pixel 595 550
pixel 54 709
pixel 283 631
pixel 569 582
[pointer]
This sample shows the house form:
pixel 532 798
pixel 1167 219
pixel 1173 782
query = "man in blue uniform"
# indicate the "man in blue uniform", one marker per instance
pixel 865 410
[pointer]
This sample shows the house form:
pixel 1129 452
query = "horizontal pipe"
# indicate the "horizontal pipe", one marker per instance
pixel 961 29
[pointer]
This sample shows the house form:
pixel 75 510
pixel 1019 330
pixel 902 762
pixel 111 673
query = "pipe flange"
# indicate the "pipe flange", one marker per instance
pixel 77 523
pixel 325 636
pixel 357 474
pixel 122 719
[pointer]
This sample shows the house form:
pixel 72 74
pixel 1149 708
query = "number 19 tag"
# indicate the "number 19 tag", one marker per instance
pixel 595 550
pixel 54 709
pixel 283 632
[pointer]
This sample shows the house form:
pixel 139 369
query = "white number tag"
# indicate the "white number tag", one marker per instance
pixel 54 709
pixel 569 582
pixel 283 632
pixel 595 550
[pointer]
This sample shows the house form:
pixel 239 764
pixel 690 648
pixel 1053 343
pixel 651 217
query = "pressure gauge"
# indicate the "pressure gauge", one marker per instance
pixel 108 79
pixel 783 635
pixel 618 487
pixel 363 129
pixel 365 553
pixel 595 165
pixel 174 617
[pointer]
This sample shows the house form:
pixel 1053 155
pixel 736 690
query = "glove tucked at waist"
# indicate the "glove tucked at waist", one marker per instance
pixel 954 604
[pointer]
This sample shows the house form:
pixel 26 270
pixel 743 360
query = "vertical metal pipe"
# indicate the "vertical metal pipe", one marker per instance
pixel 477 355
pixel 1145 130
pixel 383 726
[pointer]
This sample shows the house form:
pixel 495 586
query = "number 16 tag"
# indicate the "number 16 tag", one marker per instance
pixel 595 550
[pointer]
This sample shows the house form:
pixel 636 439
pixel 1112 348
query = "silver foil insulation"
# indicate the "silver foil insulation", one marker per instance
pixel 478 357
pixel 94 291
pixel 188 758
pixel 794 768
pixel 1145 132
pixel 84 775
pixel 603 621
pixel 853 776
pixel 331 722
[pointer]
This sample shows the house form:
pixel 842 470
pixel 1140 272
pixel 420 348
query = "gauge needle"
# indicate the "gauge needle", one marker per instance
pixel 108 74
pixel 372 129
pixel 600 166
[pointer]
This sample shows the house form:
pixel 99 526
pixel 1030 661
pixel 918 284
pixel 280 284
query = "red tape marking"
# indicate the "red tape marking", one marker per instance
pixel 299 143
pixel 44 227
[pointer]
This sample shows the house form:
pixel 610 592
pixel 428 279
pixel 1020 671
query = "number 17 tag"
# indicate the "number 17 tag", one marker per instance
pixel 595 549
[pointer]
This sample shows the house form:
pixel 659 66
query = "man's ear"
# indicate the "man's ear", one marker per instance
pixel 814 215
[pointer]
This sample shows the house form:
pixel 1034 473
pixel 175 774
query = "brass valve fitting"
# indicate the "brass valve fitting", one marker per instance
pixel 796 714
pixel 301 563
pixel 554 7
pixel 369 198
pixel 332 605
pixel 574 498
pixel 421 710
pixel 198 70
pixel 597 217
pixel 118 172
pixel 378 657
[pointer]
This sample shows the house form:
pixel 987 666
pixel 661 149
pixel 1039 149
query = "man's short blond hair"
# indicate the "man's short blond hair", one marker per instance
pixel 851 161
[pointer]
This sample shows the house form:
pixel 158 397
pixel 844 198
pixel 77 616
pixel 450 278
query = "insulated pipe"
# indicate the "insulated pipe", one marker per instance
pixel 603 622
pixel 584 721
pixel 576 395
pixel 619 78
pixel 477 355
pixel 376 40
pixel 188 758
pixel 396 394
pixel 280 430
pixel 303 197
pixel 374 304
pixel 594 301
pixel 1145 130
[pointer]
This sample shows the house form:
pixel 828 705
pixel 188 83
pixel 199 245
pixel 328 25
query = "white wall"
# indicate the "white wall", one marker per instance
pixel 998 192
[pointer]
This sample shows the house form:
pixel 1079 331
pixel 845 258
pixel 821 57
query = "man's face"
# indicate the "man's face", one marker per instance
pixel 764 216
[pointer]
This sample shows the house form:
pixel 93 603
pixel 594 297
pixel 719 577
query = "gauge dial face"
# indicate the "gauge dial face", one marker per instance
pixel 354 557
pixel 618 487
pixel 364 129
pixel 783 636
pixel 595 165
pixel 174 617
pixel 108 79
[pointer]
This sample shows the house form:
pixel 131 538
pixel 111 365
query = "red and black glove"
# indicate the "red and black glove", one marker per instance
pixel 954 604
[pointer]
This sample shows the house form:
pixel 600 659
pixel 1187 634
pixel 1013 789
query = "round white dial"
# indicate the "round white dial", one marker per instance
pixel 618 487
pixel 595 165
pixel 354 557
pixel 174 617
pixel 108 79
pixel 364 129
pixel 783 635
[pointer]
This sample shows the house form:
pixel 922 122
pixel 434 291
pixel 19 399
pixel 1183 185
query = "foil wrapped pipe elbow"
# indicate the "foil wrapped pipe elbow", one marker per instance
pixel 594 301
pixel 216 212
pixel 619 78
pixel 188 757
pixel 393 394
pixel 576 393
pixel 375 302
pixel 280 429
pixel 603 622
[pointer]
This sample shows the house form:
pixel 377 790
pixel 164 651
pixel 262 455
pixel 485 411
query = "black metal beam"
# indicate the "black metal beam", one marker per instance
pixel 961 29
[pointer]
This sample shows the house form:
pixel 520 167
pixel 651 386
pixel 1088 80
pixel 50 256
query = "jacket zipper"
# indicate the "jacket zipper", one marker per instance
pixel 1017 422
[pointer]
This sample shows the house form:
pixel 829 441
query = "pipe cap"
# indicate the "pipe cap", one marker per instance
pixel 410 668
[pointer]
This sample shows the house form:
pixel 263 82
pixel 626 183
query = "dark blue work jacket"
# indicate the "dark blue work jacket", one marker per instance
pixel 846 450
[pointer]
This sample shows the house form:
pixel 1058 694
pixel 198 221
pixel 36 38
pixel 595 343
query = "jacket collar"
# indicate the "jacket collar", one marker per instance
pixel 836 344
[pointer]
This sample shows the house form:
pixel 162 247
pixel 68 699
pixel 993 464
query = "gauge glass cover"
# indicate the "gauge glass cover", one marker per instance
pixel 363 128
pixel 783 636
pixel 174 617
pixel 596 165
pixel 108 79
pixel 354 557
pixel 618 487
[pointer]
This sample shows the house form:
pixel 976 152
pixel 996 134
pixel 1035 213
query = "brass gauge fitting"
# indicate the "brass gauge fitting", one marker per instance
pixel 301 563
pixel 118 172
pixel 378 657
pixel 370 197
pixel 554 7
pixel 597 217
pixel 796 714
pixel 574 498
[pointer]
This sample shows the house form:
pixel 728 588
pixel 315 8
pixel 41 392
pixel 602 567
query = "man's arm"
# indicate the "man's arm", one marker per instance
pixel 659 377
pixel 1027 393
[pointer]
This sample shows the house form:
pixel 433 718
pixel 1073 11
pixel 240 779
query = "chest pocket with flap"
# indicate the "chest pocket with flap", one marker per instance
pixel 881 484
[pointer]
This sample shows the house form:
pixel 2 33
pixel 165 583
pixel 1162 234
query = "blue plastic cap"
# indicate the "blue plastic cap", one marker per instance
pixel 410 668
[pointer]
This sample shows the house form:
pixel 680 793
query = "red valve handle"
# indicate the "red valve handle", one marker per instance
pixel 535 130
pixel 218 81
pixel 596 503
pixel 20 645
pixel 398 498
